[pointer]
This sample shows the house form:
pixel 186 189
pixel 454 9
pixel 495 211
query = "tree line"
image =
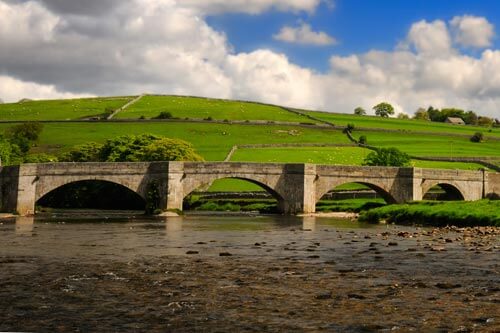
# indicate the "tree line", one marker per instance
pixel 385 110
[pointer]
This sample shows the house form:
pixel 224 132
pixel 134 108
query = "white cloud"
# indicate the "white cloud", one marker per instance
pixel 430 38
pixel 249 6
pixel 304 35
pixel 266 76
pixel 14 90
pixel 166 46
pixel 472 31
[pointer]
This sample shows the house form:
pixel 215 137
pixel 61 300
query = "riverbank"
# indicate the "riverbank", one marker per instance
pixel 229 275
pixel 438 213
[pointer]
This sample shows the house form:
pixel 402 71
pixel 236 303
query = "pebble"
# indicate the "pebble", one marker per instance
pixel 324 295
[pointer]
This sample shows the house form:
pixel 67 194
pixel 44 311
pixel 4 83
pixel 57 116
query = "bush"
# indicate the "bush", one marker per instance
pixel 40 158
pixel 164 115
pixel 87 152
pixel 349 128
pixel 362 140
pixel 387 157
pixel 477 137
pixel 133 148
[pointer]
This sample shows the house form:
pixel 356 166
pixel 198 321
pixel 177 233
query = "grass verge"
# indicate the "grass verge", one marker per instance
pixel 438 213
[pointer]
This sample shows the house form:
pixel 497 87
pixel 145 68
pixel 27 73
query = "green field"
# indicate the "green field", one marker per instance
pixel 203 108
pixel 212 141
pixel 64 109
pixel 403 125
pixel 431 145
pixel 317 155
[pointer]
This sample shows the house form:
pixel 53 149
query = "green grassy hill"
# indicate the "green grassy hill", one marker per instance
pixel 64 109
pixel 230 123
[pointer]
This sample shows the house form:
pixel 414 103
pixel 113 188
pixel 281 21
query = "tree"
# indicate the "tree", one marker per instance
pixel 166 149
pixel 434 114
pixel 387 157
pixel 485 121
pixel 24 135
pixel 359 111
pixel 470 118
pixel 164 115
pixel 348 129
pixel 403 116
pixel 87 152
pixel 421 114
pixel 133 148
pixel 477 137
pixel 384 109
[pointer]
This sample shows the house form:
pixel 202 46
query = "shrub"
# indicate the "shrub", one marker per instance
pixel 40 158
pixel 164 115
pixel 477 137
pixel 387 157
pixel 362 140
pixel 349 128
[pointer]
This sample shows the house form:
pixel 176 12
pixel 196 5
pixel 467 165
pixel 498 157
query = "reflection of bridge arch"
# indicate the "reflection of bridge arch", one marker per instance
pixel 334 183
pixel 451 188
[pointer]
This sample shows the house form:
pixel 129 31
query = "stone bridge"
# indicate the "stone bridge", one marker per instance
pixel 297 187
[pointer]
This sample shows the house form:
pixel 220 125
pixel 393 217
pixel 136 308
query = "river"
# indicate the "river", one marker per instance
pixel 245 273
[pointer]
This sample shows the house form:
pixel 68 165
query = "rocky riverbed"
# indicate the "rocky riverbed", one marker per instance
pixel 318 278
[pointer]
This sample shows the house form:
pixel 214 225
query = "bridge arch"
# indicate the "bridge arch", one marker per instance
pixel 55 183
pixel 200 183
pixel 92 194
pixel 378 188
pixel 452 189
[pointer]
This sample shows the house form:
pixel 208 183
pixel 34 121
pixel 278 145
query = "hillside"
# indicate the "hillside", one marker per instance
pixel 215 126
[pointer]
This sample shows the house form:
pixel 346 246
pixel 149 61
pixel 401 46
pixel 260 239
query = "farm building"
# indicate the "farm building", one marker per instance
pixel 454 120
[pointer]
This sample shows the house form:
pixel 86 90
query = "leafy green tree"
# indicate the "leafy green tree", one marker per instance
pixel 452 112
pixel 477 137
pixel 421 114
pixel 166 149
pixel 359 111
pixel 133 148
pixel 384 109
pixel 7 152
pixel 403 116
pixel 125 148
pixel 434 114
pixel 24 135
pixel 87 152
pixel 29 130
pixel 470 118
pixel 485 121
pixel 349 128
pixel 164 115
pixel 387 157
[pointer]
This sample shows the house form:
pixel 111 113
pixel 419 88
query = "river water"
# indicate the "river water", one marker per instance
pixel 245 273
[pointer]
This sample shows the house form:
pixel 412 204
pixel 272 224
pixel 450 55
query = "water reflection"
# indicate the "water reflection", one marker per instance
pixel 309 223
pixel 25 225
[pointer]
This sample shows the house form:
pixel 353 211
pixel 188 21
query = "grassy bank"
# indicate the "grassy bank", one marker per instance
pixel 435 213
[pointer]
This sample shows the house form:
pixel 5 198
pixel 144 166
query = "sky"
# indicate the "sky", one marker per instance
pixel 329 55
